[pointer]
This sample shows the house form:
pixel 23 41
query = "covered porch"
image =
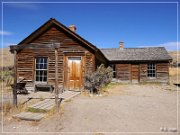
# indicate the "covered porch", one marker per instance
pixel 22 82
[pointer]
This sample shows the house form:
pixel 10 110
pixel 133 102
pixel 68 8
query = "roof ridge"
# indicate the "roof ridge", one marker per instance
pixel 135 48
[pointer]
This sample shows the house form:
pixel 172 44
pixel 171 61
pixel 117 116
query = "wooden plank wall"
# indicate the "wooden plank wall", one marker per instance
pixel 123 72
pixel 143 72
pixel 138 72
pixel 162 72
pixel 25 64
pixel 135 73
pixel 90 62
pixel 26 57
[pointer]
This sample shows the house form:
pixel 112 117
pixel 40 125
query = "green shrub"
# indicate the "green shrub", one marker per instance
pixel 6 75
pixel 96 80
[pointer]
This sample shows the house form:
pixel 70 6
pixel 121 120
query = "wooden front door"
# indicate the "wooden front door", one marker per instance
pixel 74 73
pixel 135 73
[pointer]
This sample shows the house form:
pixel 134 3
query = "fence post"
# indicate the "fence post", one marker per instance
pixel 15 80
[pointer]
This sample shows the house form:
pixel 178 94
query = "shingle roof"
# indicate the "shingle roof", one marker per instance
pixel 136 54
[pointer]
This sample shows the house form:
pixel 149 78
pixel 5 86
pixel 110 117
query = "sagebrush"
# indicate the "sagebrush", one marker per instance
pixel 96 80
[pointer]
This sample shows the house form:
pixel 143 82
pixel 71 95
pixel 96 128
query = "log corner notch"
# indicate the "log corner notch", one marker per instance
pixel 13 48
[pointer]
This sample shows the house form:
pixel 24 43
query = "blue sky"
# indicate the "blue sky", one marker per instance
pixel 102 24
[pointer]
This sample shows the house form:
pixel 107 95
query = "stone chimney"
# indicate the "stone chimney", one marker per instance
pixel 72 28
pixel 121 44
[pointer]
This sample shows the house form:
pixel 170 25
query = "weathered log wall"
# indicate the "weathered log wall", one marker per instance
pixel 123 72
pixel 162 72
pixel 138 72
pixel 26 57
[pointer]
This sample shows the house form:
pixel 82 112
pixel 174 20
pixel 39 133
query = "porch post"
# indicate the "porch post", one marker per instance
pixel 15 80
pixel 56 77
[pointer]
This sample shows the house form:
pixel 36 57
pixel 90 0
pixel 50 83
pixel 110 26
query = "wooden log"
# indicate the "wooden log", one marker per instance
pixel 56 80
pixel 15 80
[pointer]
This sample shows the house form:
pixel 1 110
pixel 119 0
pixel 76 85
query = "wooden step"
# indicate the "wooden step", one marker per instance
pixel 68 94
pixel 29 116
pixel 45 105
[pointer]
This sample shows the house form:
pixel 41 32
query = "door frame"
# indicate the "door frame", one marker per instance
pixel 138 76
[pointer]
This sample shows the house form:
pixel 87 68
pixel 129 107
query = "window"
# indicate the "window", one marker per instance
pixel 41 69
pixel 151 70
pixel 114 70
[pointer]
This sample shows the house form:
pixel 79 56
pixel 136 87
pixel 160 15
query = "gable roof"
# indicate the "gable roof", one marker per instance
pixel 136 54
pixel 53 22
pixel 111 54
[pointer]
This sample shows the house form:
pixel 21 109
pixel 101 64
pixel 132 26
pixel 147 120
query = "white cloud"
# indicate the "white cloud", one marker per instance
pixel 5 33
pixel 170 46
pixel 23 5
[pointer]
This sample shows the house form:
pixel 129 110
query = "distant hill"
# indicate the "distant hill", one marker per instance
pixel 175 55
pixel 8 58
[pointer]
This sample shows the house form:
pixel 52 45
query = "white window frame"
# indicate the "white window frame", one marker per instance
pixel 151 70
pixel 39 80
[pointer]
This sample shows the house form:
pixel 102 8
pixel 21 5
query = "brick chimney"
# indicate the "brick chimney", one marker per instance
pixel 72 28
pixel 121 44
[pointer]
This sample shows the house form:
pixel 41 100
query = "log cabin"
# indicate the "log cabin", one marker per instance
pixel 56 55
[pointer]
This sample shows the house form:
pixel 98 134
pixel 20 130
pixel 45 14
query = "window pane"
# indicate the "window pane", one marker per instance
pixel 41 69
pixel 36 66
pixel 44 79
pixel 45 66
pixel 45 73
pixel 45 60
pixel 36 72
pixel 151 70
pixel 37 60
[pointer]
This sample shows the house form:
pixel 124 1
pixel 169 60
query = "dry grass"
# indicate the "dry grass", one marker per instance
pixel 69 100
pixel 34 110
pixel 5 88
pixel 111 88
pixel 174 73
pixel 7 57
pixel 175 55
pixel 9 109
pixel 51 112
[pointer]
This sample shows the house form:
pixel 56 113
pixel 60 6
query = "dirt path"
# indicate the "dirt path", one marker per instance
pixel 129 108
pixel 136 109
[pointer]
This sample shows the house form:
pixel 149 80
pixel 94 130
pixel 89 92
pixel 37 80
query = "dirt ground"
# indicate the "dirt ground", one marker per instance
pixel 127 109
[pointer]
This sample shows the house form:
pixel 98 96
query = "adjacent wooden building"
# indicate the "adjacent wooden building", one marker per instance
pixel 56 52
pixel 139 64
